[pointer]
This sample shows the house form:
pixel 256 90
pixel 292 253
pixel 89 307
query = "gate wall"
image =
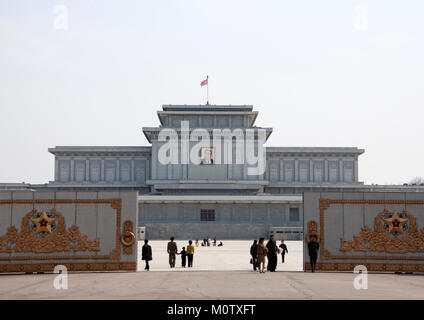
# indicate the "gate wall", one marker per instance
pixel 363 229
pixel 85 231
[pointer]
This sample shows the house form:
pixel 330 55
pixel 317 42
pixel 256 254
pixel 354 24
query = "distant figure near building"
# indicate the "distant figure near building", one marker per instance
pixel 214 241
pixel 172 251
pixel 261 254
pixel 190 254
pixel 283 250
pixel 146 254
pixel 253 253
pixel 313 247
pixel 272 254
pixel 183 254
pixel 197 242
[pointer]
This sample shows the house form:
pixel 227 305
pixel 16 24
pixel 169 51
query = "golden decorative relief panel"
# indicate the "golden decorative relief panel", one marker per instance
pixel 393 232
pixel 46 233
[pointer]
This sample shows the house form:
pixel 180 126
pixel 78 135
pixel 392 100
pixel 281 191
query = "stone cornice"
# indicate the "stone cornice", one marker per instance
pixel 152 133
pixel 330 150
pixel 101 151
pixel 90 184
pixel 219 199
pixel 209 107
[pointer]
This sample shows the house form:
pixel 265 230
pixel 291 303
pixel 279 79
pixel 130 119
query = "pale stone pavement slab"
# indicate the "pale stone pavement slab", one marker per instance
pixel 212 285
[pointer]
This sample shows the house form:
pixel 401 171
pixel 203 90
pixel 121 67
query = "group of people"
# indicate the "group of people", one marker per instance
pixel 207 242
pixel 259 251
pixel 185 255
pixel 172 248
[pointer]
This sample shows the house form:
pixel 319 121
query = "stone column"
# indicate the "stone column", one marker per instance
pixel 341 177
pixel 311 170
pixel 102 169
pixel 356 178
pixel 56 169
pixel 72 178
pixel 185 171
pixel 87 170
pixel 245 167
pixel 281 171
pixel 117 178
pixel 296 170
pixel 147 171
pixel 132 169
pixel 169 168
pixel 154 160
pixel 326 174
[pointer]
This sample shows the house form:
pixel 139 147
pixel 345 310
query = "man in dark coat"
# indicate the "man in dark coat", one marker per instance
pixel 253 253
pixel 313 247
pixel 146 254
pixel 272 254
pixel 172 251
pixel 283 250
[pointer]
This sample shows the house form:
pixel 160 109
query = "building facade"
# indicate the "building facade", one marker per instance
pixel 201 175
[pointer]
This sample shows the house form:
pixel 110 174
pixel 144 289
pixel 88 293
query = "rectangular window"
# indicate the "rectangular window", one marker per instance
pixel 294 214
pixel 207 215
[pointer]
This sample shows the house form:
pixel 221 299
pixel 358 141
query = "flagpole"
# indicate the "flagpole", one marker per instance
pixel 207 91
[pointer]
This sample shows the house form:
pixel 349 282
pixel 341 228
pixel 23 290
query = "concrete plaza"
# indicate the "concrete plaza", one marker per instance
pixel 218 273
pixel 212 285
pixel 232 256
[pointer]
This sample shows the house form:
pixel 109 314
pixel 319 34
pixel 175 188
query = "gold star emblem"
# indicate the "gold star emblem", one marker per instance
pixel 396 223
pixel 43 223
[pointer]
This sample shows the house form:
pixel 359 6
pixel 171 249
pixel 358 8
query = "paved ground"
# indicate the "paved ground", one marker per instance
pixel 212 285
pixel 233 255
pixel 229 276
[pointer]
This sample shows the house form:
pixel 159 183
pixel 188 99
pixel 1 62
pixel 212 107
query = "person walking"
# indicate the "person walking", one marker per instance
pixel 146 254
pixel 190 254
pixel 254 253
pixel 172 251
pixel 313 247
pixel 283 250
pixel 183 254
pixel 272 254
pixel 261 254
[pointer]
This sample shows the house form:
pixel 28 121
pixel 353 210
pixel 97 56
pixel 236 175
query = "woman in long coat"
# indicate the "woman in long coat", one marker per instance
pixel 272 254
pixel 146 254
pixel 261 254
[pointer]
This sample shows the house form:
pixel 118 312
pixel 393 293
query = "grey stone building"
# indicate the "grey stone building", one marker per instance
pixel 218 197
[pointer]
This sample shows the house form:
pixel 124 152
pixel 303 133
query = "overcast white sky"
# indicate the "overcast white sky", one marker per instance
pixel 341 73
